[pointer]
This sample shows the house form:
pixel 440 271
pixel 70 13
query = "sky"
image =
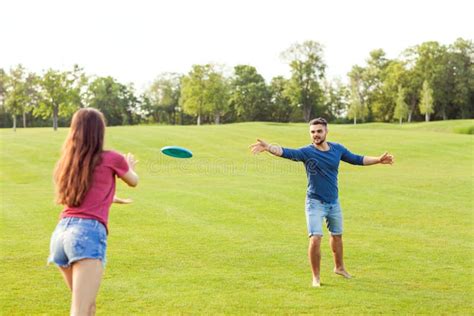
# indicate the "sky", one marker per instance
pixel 135 41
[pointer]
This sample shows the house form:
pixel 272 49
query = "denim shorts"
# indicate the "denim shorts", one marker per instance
pixel 316 211
pixel 75 239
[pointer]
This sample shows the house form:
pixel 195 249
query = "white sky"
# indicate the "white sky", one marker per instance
pixel 134 41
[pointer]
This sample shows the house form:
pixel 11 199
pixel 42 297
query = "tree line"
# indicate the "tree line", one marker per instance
pixel 428 81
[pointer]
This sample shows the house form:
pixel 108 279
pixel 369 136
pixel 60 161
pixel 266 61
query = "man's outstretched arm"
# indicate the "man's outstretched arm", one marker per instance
pixel 261 146
pixel 384 159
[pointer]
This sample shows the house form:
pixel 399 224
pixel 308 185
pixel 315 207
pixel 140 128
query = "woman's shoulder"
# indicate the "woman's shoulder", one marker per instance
pixel 111 155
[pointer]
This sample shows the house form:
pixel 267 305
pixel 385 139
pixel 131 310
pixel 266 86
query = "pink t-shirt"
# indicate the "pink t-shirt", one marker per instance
pixel 96 203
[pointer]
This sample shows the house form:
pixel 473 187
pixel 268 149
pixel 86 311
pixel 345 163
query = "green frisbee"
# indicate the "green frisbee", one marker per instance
pixel 176 152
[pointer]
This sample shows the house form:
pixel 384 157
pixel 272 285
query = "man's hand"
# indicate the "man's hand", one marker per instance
pixel 259 146
pixel 386 159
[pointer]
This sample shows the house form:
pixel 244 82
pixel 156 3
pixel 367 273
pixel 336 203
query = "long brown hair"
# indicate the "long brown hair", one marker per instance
pixel 80 154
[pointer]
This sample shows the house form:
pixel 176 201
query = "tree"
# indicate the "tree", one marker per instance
pixel 115 100
pixel 431 65
pixel 3 95
pixel 163 95
pixel 193 86
pixel 395 75
pixel 15 97
pixel 307 71
pixel 217 94
pixel 3 87
pixel 58 95
pixel 336 99
pixel 426 101
pixel 79 86
pixel 461 64
pixel 413 86
pixel 357 107
pixel 401 107
pixel 133 113
pixel 31 94
pixel 449 71
pixel 379 105
pixel 249 94
pixel 204 92
pixel 280 104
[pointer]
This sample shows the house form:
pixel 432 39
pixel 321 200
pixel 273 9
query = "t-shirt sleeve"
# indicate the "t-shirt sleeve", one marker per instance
pixel 351 158
pixel 294 154
pixel 118 164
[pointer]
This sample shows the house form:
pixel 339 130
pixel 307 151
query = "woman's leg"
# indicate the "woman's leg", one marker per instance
pixel 86 278
pixel 67 275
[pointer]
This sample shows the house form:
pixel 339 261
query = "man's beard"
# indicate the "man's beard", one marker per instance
pixel 320 141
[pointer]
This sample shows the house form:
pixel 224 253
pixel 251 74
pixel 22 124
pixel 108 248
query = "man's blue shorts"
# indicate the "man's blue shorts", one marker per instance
pixel 77 238
pixel 316 211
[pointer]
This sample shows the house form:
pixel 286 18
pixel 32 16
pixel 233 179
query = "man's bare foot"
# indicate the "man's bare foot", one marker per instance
pixel 316 282
pixel 343 272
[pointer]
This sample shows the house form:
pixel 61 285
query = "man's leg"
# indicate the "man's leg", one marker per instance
pixel 335 225
pixel 337 250
pixel 314 254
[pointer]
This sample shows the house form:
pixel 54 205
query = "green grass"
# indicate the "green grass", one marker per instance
pixel 224 232
pixel 451 126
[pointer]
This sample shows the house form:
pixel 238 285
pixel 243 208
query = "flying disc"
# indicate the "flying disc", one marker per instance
pixel 176 152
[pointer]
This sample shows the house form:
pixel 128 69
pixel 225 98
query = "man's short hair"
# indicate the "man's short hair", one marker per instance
pixel 318 120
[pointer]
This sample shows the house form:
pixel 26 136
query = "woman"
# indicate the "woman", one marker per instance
pixel 85 185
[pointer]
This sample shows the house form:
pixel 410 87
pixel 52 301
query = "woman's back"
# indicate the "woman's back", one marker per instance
pixel 99 197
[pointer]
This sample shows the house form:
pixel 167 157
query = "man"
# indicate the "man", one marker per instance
pixel 321 160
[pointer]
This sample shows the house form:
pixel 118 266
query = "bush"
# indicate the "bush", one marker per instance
pixel 465 130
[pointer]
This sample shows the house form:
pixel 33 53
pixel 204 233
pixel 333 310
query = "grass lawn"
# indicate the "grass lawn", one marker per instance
pixel 224 232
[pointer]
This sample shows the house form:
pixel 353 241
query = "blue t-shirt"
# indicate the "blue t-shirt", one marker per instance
pixel 322 168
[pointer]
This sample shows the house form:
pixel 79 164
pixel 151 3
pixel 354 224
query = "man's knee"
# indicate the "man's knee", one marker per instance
pixel 337 237
pixel 315 241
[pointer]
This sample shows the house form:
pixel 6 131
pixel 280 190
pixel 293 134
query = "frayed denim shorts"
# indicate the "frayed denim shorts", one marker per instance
pixel 317 211
pixel 77 238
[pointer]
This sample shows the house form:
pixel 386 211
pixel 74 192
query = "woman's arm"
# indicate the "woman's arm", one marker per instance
pixel 130 177
pixel 121 201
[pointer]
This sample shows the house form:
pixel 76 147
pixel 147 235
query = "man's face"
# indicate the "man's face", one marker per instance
pixel 318 133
